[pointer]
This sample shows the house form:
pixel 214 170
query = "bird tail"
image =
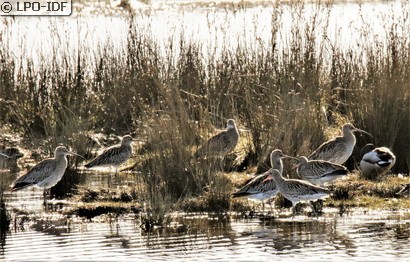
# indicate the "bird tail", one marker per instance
pixel 340 172
pixel 20 185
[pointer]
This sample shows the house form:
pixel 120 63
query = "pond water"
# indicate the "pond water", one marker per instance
pixel 54 234
pixel 214 27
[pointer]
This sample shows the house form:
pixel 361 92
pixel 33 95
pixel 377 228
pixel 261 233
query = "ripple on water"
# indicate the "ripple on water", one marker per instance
pixel 356 236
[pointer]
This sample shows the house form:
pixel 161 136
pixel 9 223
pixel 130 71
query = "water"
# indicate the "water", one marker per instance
pixel 356 235
pixel 41 233
pixel 215 27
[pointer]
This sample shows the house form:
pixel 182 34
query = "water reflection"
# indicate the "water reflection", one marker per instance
pixel 203 236
pixel 112 232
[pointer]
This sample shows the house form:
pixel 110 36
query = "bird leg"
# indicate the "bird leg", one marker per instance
pixel 45 197
pixel 293 210
pixel 317 206
pixel 270 201
pixel 263 209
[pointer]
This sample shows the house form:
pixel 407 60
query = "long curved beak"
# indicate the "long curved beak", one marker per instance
pixel 291 157
pixel 75 154
pixel 4 155
pixel 362 131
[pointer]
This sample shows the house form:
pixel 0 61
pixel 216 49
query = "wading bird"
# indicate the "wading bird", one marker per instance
pixel 222 143
pixel 262 187
pixel 319 172
pixel 338 149
pixel 46 173
pixel 297 190
pixel 114 155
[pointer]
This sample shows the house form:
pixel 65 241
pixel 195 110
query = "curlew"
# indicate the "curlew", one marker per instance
pixel 338 149
pixel 376 161
pixel 222 143
pixel 46 173
pixel 114 155
pixel 262 187
pixel 297 190
pixel 319 172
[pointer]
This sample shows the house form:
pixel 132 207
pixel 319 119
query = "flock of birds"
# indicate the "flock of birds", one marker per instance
pixel 322 166
pixel 49 172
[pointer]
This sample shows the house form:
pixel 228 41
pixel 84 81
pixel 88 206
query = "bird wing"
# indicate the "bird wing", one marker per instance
pixel 217 142
pixel 35 174
pixel 319 168
pixel 260 183
pixel 378 157
pixel 214 144
pixel 306 187
pixel 108 156
pixel 332 147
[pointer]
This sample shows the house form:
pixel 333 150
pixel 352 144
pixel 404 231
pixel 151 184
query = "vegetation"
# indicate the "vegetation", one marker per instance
pixel 291 97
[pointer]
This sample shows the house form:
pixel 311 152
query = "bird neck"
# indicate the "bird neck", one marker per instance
pixel 278 165
pixel 349 136
pixel 232 129
pixel 126 146
pixel 278 179
pixel 61 159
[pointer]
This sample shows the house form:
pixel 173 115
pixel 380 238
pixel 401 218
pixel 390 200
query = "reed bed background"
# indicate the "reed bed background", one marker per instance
pixel 290 96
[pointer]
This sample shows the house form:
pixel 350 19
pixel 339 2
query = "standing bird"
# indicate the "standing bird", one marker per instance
pixel 262 187
pixel 319 172
pixel 297 190
pixel 376 161
pixel 45 174
pixel 222 143
pixel 338 149
pixel 114 155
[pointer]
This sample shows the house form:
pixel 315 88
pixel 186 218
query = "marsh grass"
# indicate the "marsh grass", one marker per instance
pixel 290 96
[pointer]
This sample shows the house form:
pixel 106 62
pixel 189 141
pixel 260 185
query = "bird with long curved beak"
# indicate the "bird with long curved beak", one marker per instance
pixel 46 173
pixel 297 190
pixel 114 155
pixel 262 187
pixel 319 172
pixel 338 149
